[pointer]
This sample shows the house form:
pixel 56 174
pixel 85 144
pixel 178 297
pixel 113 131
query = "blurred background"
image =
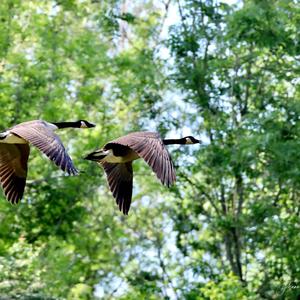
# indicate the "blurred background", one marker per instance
pixel 227 72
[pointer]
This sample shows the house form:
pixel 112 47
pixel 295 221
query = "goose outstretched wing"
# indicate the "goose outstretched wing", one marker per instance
pixel 119 177
pixel 41 135
pixel 151 148
pixel 13 170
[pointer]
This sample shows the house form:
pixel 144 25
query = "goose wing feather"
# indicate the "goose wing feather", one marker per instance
pixel 119 177
pixel 41 135
pixel 13 170
pixel 151 148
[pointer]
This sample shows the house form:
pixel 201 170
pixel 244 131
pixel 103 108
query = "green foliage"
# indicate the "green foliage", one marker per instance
pixel 228 289
pixel 229 227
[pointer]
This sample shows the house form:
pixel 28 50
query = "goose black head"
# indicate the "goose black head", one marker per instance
pixel 191 140
pixel 85 124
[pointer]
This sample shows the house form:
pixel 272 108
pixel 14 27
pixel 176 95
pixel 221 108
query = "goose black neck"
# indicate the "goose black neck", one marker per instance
pixel 66 124
pixel 174 141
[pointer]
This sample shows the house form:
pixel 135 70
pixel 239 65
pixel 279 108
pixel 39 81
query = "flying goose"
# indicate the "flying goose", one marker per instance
pixel 116 158
pixel 14 152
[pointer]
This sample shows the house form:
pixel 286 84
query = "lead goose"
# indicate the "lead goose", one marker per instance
pixel 14 152
pixel 116 158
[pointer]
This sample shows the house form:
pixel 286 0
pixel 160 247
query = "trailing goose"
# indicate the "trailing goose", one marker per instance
pixel 14 152
pixel 116 158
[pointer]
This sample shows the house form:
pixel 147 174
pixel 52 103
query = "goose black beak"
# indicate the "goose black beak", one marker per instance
pixel 90 125
pixel 89 157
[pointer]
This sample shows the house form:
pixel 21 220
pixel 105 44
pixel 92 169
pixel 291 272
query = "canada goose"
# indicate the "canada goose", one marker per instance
pixel 116 158
pixel 14 152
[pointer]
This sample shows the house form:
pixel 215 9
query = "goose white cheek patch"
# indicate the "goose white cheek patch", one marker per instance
pixel 83 125
pixel 189 141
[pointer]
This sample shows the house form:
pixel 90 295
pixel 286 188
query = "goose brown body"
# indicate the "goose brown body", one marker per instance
pixel 116 158
pixel 14 152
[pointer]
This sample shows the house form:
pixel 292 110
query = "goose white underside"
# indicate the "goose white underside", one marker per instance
pixel 11 138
